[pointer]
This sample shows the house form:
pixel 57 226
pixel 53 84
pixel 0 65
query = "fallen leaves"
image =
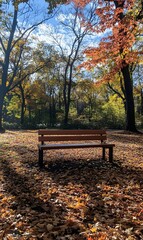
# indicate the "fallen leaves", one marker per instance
pixel 72 198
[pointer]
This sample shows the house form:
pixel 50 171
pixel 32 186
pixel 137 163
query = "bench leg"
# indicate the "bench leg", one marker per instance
pixel 111 154
pixel 40 158
pixel 103 153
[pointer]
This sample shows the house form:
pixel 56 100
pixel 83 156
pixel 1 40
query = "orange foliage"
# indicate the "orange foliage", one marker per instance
pixel 121 19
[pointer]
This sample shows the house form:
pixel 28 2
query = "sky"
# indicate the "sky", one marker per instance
pixel 52 31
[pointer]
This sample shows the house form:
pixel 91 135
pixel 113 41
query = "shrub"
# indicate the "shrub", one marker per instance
pixel 11 126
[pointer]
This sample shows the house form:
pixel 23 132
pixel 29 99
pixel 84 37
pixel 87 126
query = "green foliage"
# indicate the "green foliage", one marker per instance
pixel 13 108
pixel 113 114
pixel 11 125
pixel 53 4
pixel 14 2
pixel 91 106
pixel 11 111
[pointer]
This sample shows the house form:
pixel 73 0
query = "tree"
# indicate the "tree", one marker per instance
pixel 122 18
pixel 51 77
pixel 13 41
pixel 71 53
pixel 52 4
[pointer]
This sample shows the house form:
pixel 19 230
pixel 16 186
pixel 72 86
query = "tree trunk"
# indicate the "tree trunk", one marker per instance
pixel 1 108
pixel 141 101
pixel 22 105
pixel 22 111
pixel 54 111
pixel 67 100
pixel 66 114
pixel 30 114
pixel 66 104
pixel 130 110
pixel 65 90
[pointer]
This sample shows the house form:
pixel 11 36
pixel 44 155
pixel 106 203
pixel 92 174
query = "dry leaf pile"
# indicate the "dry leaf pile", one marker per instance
pixel 77 196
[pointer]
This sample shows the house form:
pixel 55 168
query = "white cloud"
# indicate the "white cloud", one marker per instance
pixel 60 35
pixel 62 17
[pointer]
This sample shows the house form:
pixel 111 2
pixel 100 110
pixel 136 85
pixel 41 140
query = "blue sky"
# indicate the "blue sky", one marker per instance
pixel 53 22
pixel 38 9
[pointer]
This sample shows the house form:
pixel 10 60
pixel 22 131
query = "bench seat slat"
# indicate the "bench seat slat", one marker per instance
pixel 72 138
pixel 83 145
pixel 69 138
pixel 70 132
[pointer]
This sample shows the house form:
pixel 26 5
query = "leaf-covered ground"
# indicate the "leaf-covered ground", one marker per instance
pixel 77 196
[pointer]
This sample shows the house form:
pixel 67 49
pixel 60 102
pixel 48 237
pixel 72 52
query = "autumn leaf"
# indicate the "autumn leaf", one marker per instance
pixel 72 197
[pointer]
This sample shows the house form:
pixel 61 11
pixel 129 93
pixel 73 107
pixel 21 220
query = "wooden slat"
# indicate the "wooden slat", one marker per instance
pixel 68 146
pixel 72 138
pixel 70 132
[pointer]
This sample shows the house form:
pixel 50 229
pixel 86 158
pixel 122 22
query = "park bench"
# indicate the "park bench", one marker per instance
pixel 68 139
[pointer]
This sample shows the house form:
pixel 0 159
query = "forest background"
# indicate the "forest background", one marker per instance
pixel 71 64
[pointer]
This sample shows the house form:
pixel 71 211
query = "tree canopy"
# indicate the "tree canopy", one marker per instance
pixel 96 43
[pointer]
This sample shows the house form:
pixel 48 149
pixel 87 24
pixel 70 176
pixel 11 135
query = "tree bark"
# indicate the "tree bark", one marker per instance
pixel 66 117
pixel 130 110
pixel 1 109
pixel 22 104
pixel 4 87
pixel 141 101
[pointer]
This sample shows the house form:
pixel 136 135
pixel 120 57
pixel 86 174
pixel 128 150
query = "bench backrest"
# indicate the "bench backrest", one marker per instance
pixel 71 135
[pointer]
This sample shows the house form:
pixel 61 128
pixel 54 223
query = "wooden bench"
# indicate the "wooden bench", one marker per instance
pixel 71 138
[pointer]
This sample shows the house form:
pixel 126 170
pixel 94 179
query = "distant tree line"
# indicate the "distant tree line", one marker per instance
pixel 72 85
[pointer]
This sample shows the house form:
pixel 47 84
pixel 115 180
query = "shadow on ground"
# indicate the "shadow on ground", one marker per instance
pixel 113 191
